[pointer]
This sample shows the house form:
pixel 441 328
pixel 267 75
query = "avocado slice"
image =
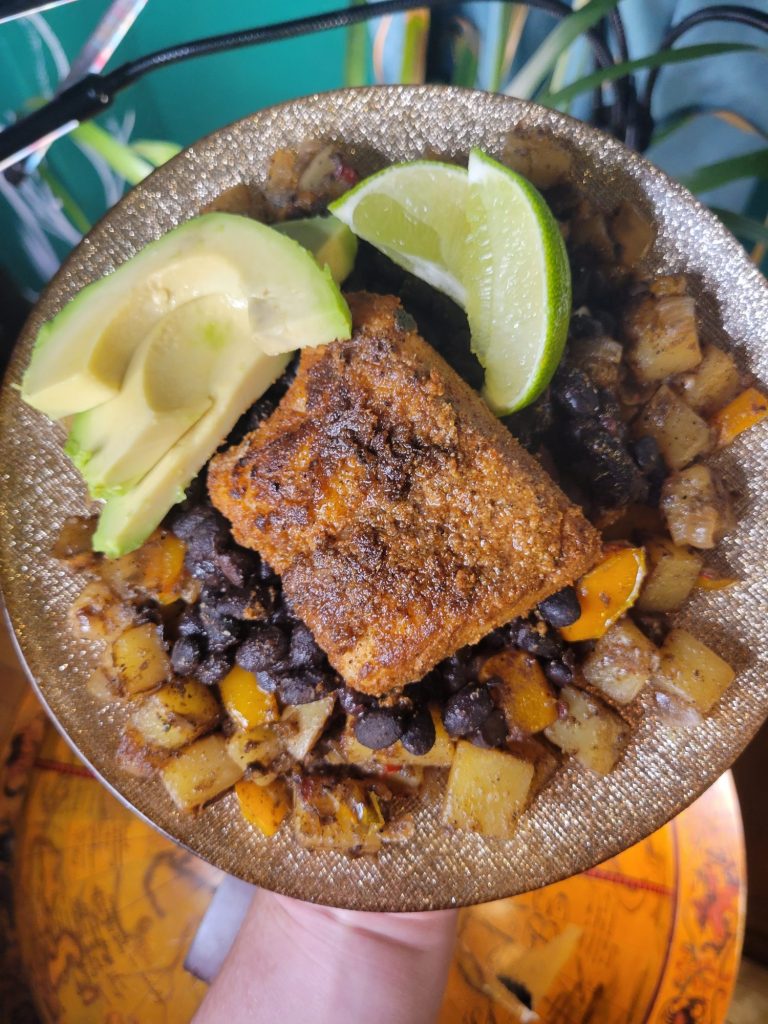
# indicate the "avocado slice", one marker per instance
pixel 128 519
pixel 166 390
pixel 331 243
pixel 81 356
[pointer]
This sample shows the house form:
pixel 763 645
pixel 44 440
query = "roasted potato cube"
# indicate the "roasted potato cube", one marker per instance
pixel 339 814
pixel 672 573
pixel 259 745
pixel 600 358
pixel 592 733
pixel 681 434
pixel 714 382
pixel 525 696
pixel 487 790
pixel 244 700
pixel 632 231
pixel 263 806
pixel 662 337
pixel 309 720
pixel 175 714
pixel 622 662
pixel 97 613
pixel 200 772
pixel 697 507
pixel 691 670
pixel 156 569
pixel 140 659
pixel 440 756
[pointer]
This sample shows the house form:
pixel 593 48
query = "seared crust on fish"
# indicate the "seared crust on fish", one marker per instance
pixel 403 517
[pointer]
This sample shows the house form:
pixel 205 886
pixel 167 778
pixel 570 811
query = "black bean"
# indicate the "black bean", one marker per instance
pixel 378 727
pixel 560 609
pixel 213 669
pixel 353 701
pixel 298 689
pixel 303 651
pixel 467 710
pixel 235 565
pixel 221 631
pixel 419 734
pixel 186 655
pixel 267 679
pixel 608 468
pixel 493 731
pixel 584 326
pixel 543 645
pixel 648 454
pixel 574 392
pixel 235 601
pixel 189 623
pixel 558 672
pixel 454 673
pixel 188 521
pixel 263 649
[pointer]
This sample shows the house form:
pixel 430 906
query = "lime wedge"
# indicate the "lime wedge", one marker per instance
pixel 518 284
pixel 415 213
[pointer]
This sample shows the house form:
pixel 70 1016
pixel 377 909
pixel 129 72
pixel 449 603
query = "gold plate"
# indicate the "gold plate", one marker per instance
pixel 580 819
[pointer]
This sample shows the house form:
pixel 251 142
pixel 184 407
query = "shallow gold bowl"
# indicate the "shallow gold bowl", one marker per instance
pixel 581 818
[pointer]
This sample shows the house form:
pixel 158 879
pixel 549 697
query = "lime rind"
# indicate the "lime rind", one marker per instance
pixel 515 243
pixel 395 210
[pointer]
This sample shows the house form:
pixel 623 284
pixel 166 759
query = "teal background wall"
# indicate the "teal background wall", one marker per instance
pixel 178 103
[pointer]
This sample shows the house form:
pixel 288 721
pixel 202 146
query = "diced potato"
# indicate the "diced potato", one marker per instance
pixel 155 569
pixel 200 772
pixel 339 814
pixel 622 662
pixel 309 720
pixel 592 733
pixel 244 700
pixel 662 337
pixel 539 158
pixel 600 358
pixel 691 670
pixel 176 714
pixel 682 435
pixel 73 544
pixel 714 382
pixel 525 696
pixel 440 756
pixel 672 573
pixel 668 284
pixel 265 807
pixel 697 507
pixel 259 745
pixel 140 659
pixel 632 231
pixel 97 613
pixel 487 790
pixel 588 228
pixel 743 412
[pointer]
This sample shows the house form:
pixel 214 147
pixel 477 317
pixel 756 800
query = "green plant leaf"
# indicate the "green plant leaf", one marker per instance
pixel 356 53
pixel 537 67
pixel 119 156
pixel 412 66
pixel 465 48
pixel 653 60
pixel 741 226
pixel 69 205
pixel 156 151
pixel 667 126
pixel 747 165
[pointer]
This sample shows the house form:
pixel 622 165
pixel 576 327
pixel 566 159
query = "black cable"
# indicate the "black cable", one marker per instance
pixel 95 93
pixel 733 13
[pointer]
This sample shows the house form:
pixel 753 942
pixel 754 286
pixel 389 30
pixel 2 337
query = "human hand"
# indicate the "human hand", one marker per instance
pixel 296 963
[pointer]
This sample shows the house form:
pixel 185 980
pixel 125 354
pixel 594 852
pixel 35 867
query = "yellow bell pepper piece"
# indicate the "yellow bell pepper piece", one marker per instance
pixel 607 592
pixel 264 807
pixel 244 700
pixel 746 410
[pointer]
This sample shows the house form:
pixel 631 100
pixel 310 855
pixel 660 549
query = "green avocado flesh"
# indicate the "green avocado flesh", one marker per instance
pixel 81 356
pixel 331 243
pixel 157 362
